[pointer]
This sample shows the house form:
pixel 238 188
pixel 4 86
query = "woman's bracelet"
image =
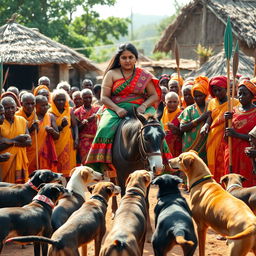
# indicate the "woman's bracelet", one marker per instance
pixel 143 104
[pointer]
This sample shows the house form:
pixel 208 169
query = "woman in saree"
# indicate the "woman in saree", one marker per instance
pixel 215 126
pixel 243 121
pixel 193 118
pixel 124 87
pixel 68 140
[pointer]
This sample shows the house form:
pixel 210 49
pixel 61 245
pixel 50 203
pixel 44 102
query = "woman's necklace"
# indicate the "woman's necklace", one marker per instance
pixel 128 76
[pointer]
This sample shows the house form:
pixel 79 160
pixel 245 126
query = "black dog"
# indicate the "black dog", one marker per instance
pixel 22 194
pixel 32 219
pixel 173 219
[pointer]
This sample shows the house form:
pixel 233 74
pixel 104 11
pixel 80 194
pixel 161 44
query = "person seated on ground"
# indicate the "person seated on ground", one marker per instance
pixel 187 98
pixel 163 80
pixel 43 153
pixel 14 90
pixel 87 123
pixel 87 84
pixel 14 139
pixel 124 86
pixel 172 124
pixel 243 121
pixel 161 105
pixel 251 151
pixel 215 126
pixel 77 99
pixel 193 118
pixel 66 145
pixel 96 92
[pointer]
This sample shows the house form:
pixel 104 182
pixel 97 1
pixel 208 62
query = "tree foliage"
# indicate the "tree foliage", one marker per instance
pixel 55 18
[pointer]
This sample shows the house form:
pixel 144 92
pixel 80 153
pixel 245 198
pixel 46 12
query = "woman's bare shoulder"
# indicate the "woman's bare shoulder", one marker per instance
pixel 113 74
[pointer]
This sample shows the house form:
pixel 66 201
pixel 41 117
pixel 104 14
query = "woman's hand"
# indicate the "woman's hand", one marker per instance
pixel 5 156
pixel 205 129
pixel 121 112
pixel 230 132
pixel 228 115
pixel 141 109
pixel 64 122
pixel 250 152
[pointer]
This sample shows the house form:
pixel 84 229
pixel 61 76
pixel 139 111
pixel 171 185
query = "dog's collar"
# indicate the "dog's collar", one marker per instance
pixel 100 198
pixel 233 186
pixel 44 199
pixel 207 177
pixel 135 191
pixel 32 185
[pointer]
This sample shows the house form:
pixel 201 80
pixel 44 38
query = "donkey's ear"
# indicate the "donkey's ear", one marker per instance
pixel 140 116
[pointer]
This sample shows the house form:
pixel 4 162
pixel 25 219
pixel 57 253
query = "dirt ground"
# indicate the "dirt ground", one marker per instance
pixel 214 247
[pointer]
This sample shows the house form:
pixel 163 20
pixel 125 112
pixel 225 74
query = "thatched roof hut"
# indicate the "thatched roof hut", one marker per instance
pixel 217 65
pixel 204 22
pixel 29 55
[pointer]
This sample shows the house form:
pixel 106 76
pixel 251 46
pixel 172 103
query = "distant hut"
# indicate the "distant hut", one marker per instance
pixel 204 21
pixel 217 66
pixel 29 55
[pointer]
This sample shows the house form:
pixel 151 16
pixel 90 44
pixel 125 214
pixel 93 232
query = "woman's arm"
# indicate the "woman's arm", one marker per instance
pixel 53 129
pixel 75 128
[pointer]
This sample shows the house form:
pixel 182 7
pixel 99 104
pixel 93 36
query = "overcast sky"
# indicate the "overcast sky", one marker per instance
pixel 123 8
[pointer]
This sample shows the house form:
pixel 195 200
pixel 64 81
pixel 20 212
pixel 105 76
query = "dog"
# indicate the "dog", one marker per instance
pixel 173 220
pixel 31 219
pixel 127 235
pixel 233 184
pixel 83 226
pixel 212 206
pixel 81 177
pixel 22 194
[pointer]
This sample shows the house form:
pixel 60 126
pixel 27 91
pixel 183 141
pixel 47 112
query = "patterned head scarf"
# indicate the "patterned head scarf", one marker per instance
pixel 201 85
pixel 249 85
pixel 220 81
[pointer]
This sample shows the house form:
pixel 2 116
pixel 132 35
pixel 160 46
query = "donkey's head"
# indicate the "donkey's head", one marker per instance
pixel 151 138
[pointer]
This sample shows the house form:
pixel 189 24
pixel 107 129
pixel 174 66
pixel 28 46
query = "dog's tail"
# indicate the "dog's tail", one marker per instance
pixel 251 230
pixel 31 239
pixel 118 247
pixel 181 240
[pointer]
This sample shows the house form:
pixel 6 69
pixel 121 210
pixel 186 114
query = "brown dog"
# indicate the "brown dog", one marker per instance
pixel 81 178
pixel 83 226
pixel 233 184
pixel 212 206
pixel 127 235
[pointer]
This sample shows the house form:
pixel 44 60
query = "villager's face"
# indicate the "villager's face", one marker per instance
pixel 219 92
pixel 164 92
pixel 174 87
pixel 78 101
pixel 28 105
pixel 188 97
pixel 45 93
pixel 86 85
pixel 244 95
pixel 2 115
pixel 10 109
pixel 127 60
pixel 45 82
pixel 87 99
pixel 172 104
pixel 42 107
pixel 164 83
pixel 60 101
pixel 199 98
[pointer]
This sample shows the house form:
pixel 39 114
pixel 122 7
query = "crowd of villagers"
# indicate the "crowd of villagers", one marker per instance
pixel 44 129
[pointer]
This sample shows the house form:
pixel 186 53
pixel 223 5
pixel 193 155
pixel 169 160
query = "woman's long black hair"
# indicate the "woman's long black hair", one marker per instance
pixel 114 62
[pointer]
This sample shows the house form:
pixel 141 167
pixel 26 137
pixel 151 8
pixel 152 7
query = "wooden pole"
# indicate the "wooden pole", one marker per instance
pixel 255 63
pixel 177 57
pixel 228 44
pixel 235 68
pixel 36 143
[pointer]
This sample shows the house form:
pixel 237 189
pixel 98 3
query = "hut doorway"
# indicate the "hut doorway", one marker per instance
pixel 22 77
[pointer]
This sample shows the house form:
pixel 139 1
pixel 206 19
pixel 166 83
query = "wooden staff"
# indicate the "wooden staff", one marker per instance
pixel 177 57
pixel 1 75
pixel 228 44
pixel 254 62
pixel 36 142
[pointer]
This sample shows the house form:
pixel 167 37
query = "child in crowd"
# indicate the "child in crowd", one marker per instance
pixel 251 151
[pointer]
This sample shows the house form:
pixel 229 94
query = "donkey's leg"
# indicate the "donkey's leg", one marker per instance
pixel 114 205
pixel 149 227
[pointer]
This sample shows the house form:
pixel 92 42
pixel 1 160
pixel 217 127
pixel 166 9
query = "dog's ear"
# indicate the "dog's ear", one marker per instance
pixel 146 178
pixel 84 174
pixel 128 180
pixel 188 160
pixel 41 186
pixel 177 179
pixel 72 171
pixel 91 188
pixel 32 174
pixel 156 181
pixel 110 189
pixel 224 180
pixel 44 176
pixel 242 178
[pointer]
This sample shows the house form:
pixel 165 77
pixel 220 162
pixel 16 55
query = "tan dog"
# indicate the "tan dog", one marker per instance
pixel 212 206
pixel 81 178
pixel 233 184
pixel 127 235
pixel 83 226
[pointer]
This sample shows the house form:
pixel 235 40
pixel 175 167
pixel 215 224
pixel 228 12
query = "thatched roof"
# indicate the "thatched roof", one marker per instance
pixel 242 14
pixel 26 46
pixel 217 65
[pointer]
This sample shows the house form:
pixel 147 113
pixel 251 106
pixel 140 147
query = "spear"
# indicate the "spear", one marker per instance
pixel 235 68
pixel 177 57
pixel 5 76
pixel 228 44
pixel 254 62
pixel 1 75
